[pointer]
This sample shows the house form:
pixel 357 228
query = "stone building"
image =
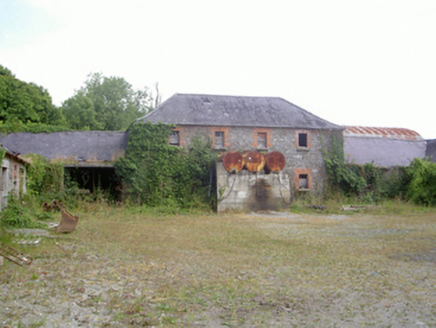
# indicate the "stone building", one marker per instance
pixel 13 176
pixel 263 124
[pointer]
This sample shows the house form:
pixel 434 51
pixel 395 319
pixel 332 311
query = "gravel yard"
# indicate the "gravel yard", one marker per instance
pixel 121 268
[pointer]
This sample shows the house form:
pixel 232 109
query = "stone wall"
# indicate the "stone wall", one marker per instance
pixel 12 179
pixel 299 160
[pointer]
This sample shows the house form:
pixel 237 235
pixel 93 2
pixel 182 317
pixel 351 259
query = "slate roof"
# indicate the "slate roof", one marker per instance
pixel 78 146
pixel 385 147
pixel 431 149
pixel 213 110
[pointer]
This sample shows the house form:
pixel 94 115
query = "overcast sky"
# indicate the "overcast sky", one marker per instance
pixel 352 62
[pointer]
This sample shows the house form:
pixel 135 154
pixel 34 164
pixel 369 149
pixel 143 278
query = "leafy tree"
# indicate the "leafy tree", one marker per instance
pixel 26 106
pixel 106 103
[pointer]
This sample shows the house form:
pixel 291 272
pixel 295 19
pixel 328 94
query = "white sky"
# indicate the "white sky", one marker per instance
pixel 359 62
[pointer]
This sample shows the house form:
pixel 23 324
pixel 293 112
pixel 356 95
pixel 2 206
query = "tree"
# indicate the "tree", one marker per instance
pixel 106 103
pixel 23 106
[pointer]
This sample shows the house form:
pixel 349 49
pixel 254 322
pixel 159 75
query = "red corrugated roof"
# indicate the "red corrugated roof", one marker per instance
pixel 392 133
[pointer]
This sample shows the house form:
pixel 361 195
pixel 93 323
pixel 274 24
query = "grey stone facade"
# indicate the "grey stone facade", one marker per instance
pixel 264 124
pixel 299 160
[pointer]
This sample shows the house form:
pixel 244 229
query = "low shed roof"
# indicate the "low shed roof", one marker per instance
pixel 76 146
pixel 386 147
pixel 213 110
pixel 431 149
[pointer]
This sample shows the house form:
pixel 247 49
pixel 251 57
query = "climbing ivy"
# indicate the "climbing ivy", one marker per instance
pixel 341 177
pixel 43 176
pixel 2 154
pixel 156 173
pixel 368 182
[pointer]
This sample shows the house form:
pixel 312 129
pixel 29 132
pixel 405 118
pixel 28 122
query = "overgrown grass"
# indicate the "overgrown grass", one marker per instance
pixel 138 268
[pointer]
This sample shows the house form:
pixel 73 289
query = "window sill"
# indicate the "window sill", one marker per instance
pixel 303 149
pixel 304 189
pixel 220 148
pixel 262 149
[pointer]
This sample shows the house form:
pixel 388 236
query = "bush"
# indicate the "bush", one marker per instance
pixel 421 181
pixel 17 215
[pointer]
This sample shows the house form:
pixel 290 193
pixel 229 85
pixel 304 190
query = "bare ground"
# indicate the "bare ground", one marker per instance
pixel 121 268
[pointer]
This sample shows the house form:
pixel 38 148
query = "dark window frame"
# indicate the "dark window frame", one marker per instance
pixel 303 139
pixel 172 139
pixel 303 181
pixel 262 140
pixel 219 139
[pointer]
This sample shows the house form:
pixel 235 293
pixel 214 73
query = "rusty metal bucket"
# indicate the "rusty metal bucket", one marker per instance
pixel 68 223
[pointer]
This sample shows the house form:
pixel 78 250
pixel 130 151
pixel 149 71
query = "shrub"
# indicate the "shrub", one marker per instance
pixel 421 181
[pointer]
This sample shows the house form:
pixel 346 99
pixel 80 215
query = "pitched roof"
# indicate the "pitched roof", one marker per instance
pixel 78 146
pixel 431 149
pixel 212 110
pixel 375 132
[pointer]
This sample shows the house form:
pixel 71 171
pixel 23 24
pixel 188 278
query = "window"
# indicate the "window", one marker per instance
pixel 302 140
pixel 261 140
pixel 303 181
pixel 219 139
pixel 174 138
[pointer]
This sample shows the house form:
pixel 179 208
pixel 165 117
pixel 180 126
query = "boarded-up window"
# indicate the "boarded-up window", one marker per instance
pixel 302 140
pixel 174 138
pixel 219 139
pixel 303 181
pixel 261 140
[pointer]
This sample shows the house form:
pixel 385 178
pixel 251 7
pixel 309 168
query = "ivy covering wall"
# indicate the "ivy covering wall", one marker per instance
pixel 371 183
pixel 156 173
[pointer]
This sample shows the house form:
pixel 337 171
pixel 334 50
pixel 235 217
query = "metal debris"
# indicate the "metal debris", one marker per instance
pixel 53 205
pixel 26 241
pixel 15 256
pixel 68 223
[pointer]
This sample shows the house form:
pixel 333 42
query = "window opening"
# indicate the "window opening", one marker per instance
pixel 302 140
pixel 303 181
pixel 261 140
pixel 219 139
pixel 174 138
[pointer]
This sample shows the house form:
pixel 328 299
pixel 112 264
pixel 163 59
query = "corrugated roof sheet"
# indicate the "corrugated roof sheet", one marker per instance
pixel 376 132
pixel 213 110
pixel 78 146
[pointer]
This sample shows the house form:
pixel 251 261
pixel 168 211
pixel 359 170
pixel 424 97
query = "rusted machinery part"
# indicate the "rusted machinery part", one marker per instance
pixel 53 205
pixel 233 161
pixel 15 256
pixel 254 161
pixel 68 223
pixel 274 162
